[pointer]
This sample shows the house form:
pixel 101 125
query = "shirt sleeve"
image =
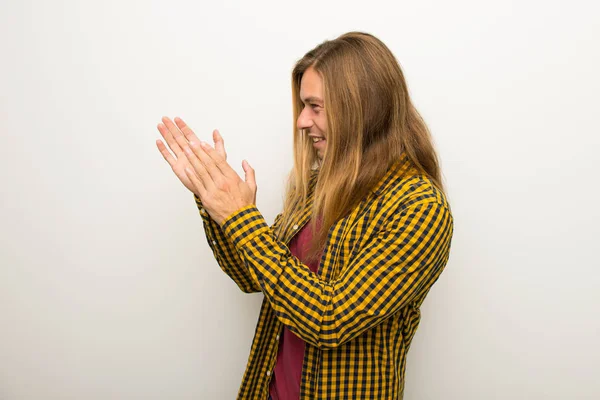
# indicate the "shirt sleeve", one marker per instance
pixel 401 261
pixel 225 252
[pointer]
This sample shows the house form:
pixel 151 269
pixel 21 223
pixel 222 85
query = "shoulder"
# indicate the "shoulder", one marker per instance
pixel 410 188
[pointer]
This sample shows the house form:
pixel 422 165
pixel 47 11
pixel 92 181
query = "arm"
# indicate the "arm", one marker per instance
pixel 225 252
pixel 402 261
pixel 179 138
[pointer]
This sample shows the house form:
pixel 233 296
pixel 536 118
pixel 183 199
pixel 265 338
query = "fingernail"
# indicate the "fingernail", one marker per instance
pixel 204 144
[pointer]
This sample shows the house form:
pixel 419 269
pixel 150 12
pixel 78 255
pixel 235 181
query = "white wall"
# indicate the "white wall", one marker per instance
pixel 108 289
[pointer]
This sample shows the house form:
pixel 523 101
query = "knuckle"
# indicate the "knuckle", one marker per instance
pixel 223 185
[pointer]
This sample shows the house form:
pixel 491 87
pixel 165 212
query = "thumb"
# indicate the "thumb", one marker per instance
pixel 219 143
pixel 250 177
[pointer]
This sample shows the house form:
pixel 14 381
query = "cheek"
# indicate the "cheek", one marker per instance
pixel 321 122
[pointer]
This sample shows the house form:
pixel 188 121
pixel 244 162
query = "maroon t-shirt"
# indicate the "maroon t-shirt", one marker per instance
pixel 285 383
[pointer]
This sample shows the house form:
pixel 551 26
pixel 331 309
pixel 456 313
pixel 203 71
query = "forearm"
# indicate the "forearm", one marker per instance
pixel 384 276
pixel 225 252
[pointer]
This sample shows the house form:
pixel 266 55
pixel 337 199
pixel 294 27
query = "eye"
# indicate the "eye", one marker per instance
pixel 315 106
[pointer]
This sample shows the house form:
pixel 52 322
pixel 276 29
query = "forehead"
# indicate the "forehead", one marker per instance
pixel 311 84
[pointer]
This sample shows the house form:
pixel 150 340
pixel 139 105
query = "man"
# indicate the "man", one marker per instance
pixel 364 233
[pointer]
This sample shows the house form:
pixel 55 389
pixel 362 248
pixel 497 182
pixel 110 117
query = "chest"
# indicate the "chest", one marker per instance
pixel 345 238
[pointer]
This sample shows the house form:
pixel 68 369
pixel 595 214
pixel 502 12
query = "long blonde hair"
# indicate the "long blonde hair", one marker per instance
pixel 371 121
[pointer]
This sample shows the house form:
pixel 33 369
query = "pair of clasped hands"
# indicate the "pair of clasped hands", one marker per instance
pixel 204 170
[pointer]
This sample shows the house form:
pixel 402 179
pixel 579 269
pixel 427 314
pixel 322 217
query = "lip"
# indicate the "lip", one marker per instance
pixel 320 143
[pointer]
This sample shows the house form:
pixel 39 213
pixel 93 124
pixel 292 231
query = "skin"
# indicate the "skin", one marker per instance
pixel 313 118
pixel 204 170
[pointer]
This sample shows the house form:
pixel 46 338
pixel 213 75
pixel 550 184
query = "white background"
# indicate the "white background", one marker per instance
pixel 108 289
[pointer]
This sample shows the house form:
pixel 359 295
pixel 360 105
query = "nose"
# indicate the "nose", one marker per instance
pixel 304 121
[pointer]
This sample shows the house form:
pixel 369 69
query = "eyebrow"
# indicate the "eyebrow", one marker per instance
pixel 312 99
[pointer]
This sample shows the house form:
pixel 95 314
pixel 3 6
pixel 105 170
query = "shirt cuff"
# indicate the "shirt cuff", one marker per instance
pixel 201 207
pixel 244 225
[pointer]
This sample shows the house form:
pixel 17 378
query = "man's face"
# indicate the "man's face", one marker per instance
pixel 312 118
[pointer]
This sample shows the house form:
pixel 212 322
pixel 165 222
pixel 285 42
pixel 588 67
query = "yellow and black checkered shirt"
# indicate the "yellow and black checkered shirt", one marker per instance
pixel 359 313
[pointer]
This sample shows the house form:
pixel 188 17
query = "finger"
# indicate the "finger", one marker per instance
pixel 199 167
pixel 186 130
pixel 250 175
pixel 198 184
pixel 171 142
pixel 175 132
pixel 216 162
pixel 166 153
pixel 219 143
pixel 199 152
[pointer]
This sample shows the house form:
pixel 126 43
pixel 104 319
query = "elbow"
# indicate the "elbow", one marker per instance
pixel 328 340
pixel 249 289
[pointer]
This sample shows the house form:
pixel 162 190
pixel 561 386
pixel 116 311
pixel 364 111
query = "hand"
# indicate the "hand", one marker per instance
pixel 221 190
pixel 205 171
pixel 178 161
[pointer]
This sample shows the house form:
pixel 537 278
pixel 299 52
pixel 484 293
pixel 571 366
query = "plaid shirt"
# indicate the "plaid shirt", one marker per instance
pixel 359 313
